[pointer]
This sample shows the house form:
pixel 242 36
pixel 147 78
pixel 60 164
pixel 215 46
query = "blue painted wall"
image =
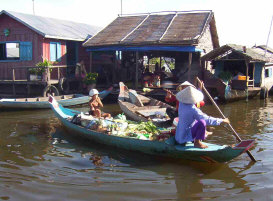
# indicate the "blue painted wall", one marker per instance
pixel 219 67
pixel 258 72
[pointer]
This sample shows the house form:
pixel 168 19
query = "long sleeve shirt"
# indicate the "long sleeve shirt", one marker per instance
pixel 172 99
pixel 188 114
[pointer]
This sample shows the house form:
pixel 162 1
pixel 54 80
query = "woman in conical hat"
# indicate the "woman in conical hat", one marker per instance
pixel 192 121
pixel 171 99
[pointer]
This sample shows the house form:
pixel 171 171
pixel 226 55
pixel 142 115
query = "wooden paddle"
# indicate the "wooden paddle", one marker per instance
pixel 223 116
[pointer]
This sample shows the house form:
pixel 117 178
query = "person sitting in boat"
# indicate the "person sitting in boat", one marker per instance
pixel 192 121
pixel 95 104
pixel 147 77
pixel 171 98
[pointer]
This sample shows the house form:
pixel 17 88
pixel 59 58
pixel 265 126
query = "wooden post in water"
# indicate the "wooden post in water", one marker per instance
pixel 190 62
pixel 246 62
pixel 90 60
pixel 13 83
pixel 59 76
pixel 253 74
pixel 136 78
pixel 115 67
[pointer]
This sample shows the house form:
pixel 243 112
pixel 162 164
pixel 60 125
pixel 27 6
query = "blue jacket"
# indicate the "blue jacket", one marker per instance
pixel 188 114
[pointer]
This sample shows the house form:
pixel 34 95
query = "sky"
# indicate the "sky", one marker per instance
pixel 242 22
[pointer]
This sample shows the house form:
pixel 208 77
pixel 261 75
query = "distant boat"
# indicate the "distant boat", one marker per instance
pixel 142 108
pixel 213 154
pixel 42 102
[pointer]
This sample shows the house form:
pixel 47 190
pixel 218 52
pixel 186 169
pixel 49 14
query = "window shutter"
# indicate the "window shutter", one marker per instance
pixel 26 51
pixel 53 52
pixel 59 51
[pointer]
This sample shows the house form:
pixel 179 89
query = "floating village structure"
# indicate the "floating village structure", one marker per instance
pixel 27 39
pixel 181 36
pixel 239 72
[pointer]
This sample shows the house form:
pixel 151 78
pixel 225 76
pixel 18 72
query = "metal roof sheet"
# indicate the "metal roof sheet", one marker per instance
pixel 176 28
pixel 54 28
pixel 250 53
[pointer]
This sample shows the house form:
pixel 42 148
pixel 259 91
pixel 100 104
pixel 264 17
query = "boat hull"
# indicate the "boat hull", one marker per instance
pixel 132 110
pixel 35 103
pixel 168 148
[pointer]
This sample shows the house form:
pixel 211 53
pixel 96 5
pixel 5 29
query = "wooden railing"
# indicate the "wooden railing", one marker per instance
pixel 47 72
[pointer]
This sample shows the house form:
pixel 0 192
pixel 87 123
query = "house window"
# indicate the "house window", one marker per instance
pixel 55 51
pixel 13 51
pixel 10 51
pixel 268 72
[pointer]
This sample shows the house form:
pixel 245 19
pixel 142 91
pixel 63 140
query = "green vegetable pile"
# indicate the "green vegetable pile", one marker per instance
pixel 145 127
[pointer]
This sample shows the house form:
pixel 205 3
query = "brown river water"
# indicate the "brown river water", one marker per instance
pixel 40 161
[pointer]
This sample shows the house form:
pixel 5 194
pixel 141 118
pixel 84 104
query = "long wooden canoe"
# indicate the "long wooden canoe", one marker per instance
pixel 141 108
pixel 168 148
pixel 42 102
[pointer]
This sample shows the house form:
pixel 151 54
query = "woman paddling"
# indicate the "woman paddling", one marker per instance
pixel 192 121
pixel 171 99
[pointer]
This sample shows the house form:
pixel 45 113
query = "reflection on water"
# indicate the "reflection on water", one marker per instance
pixel 40 162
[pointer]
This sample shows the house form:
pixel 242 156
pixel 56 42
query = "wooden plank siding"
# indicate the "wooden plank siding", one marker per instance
pixel 40 49
pixel 18 32
pixel 46 50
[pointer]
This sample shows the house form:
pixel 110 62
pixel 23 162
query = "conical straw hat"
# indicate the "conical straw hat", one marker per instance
pixel 186 83
pixel 190 95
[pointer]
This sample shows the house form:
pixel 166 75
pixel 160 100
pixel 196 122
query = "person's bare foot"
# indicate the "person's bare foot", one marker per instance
pixel 199 144
pixel 208 133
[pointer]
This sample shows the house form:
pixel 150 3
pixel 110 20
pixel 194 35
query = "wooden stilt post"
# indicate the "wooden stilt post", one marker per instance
pixel 91 62
pixel 136 78
pixel 13 83
pixel 253 78
pixel 190 62
pixel 246 61
pixel 115 67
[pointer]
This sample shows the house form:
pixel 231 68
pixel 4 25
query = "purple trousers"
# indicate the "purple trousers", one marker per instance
pixel 198 130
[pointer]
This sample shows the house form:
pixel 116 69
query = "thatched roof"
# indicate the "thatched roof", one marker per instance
pixel 176 28
pixel 54 28
pixel 225 50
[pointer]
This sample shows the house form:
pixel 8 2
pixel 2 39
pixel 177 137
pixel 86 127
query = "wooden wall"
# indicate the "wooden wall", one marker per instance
pixel 40 48
pixel 18 32
pixel 46 50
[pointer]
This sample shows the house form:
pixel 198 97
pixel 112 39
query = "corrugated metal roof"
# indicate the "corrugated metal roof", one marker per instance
pixel 261 50
pixel 54 28
pixel 179 28
pixel 250 53
pixel 264 47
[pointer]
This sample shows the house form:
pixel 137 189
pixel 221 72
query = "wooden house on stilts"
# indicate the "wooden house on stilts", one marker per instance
pixel 131 39
pixel 238 72
pixel 27 39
